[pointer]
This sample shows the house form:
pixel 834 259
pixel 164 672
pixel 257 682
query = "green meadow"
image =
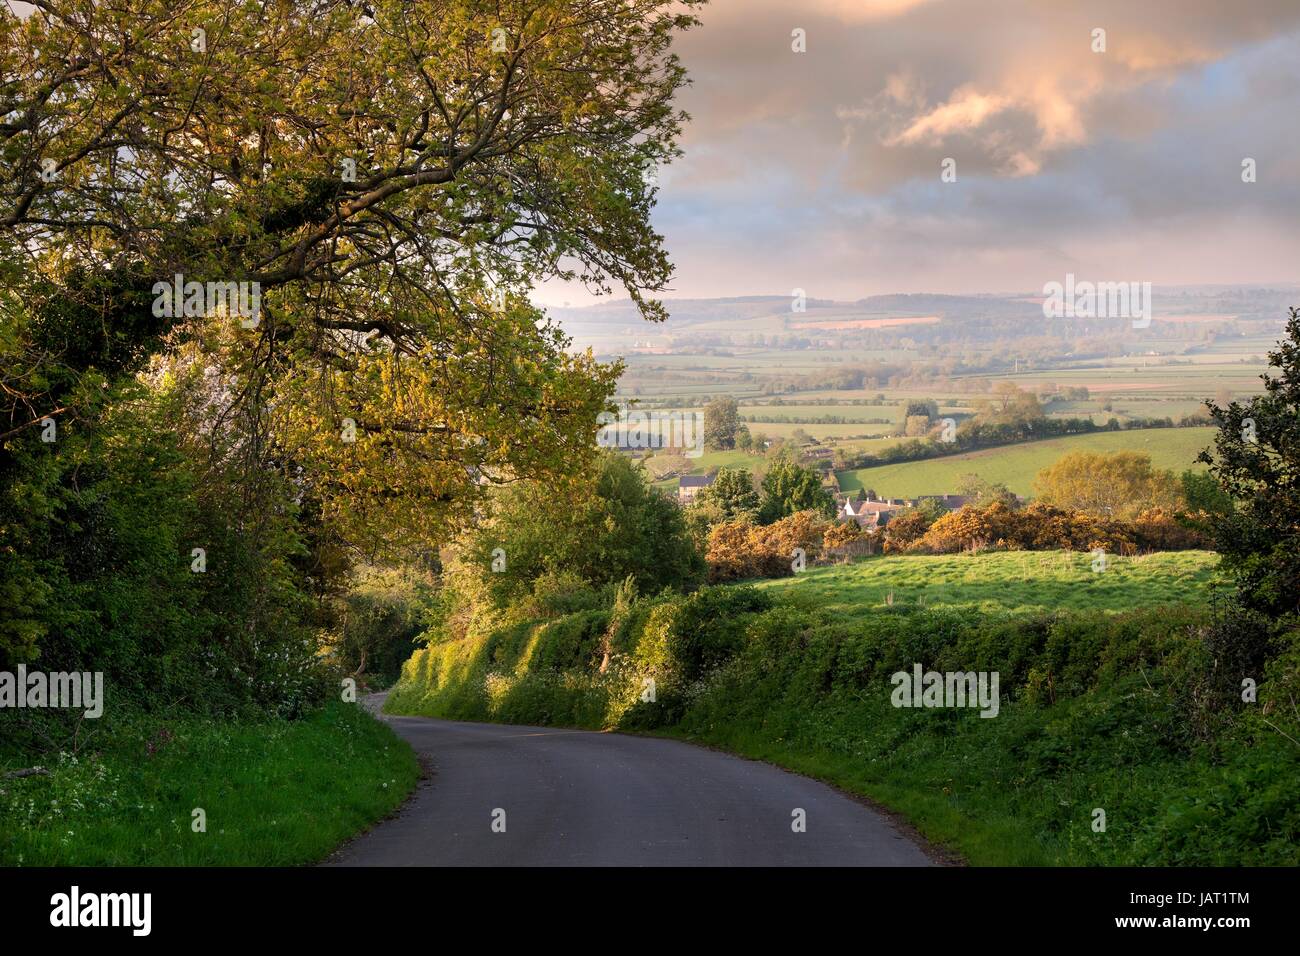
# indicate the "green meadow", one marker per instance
pixel 1002 581
pixel 1016 465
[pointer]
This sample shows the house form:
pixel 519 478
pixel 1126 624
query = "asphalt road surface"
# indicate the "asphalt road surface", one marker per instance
pixel 508 795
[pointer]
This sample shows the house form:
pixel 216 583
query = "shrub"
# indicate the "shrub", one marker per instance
pixel 570 642
pixel 711 627
pixel 957 531
pixel 740 549
pixel 1043 527
pixel 842 533
pixel 1156 529
pixel 733 553
pixel 905 529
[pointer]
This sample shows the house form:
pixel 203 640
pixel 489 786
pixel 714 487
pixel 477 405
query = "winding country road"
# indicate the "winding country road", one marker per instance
pixel 580 798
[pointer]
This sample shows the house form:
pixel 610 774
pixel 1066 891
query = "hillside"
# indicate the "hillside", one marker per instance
pixel 1016 465
pixel 1002 581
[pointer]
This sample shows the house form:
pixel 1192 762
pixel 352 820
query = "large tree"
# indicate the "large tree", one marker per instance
pixel 393 176
pixel 1008 404
pixel 1256 458
pixel 789 487
pixel 1116 485
pixel 721 421
pixel 599 531
pixel 732 494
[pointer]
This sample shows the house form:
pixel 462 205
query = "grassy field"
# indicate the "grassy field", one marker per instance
pixel 275 793
pixel 1017 465
pixel 821 432
pixel 795 408
pixel 1001 581
pixel 711 462
pixel 1159 382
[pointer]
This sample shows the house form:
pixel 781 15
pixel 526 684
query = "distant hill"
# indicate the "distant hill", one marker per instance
pixel 616 327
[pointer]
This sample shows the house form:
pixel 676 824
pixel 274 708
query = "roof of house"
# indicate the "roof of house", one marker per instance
pixel 695 481
pixel 858 507
pixel 871 520
pixel 952 501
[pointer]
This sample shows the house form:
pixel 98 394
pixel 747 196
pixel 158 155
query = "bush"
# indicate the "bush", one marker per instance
pixel 114 509
pixel 569 642
pixel 597 532
pixel 1042 527
pixel 960 530
pixel 906 528
pixel 737 550
pixel 711 627
pixel 1156 529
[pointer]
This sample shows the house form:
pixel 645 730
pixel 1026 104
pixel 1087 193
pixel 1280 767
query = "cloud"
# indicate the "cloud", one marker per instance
pixel 857 11
pixel 966 110
pixel 822 169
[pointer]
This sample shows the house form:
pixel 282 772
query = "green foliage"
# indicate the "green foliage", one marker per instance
pixel 1256 459
pixel 789 487
pixel 721 422
pixel 731 495
pixel 106 517
pixel 1203 493
pixel 599 531
pixel 570 642
pixel 1119 485
pixel 926 408
pixel 378 283
pixel 710 629
pixel 984 492
pixel 383 611
pixel 450 388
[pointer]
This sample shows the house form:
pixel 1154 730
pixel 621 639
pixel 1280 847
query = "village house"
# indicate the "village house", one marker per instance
pixel 688 486
pixel 871 513
pixel 868 514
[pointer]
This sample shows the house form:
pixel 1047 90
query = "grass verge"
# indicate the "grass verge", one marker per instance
pixel 273 792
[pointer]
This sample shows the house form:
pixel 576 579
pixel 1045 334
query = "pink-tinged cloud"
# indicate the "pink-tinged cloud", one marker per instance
pixel 966 110
pixel 821 169
pixel 857 11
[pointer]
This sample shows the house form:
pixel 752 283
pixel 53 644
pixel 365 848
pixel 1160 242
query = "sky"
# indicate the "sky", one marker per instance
pixel 821 170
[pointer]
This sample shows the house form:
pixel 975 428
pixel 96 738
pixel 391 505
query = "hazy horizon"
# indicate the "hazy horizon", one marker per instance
pixel 618 300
